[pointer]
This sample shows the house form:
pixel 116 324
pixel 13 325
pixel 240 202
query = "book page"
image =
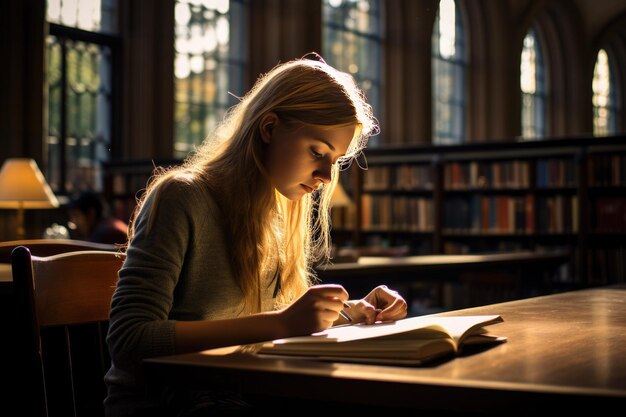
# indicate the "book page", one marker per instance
pixel 461 327
pixel 482 338
pixel 410 352
pixel 453 326
pixel 410 341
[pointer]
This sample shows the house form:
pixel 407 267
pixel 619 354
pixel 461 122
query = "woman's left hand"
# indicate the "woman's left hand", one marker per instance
pixel 381 304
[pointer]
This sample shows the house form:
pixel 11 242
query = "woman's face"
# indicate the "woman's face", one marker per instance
pixel 300 159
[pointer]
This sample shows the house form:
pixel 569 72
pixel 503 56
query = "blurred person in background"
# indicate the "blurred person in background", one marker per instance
pixel 89 219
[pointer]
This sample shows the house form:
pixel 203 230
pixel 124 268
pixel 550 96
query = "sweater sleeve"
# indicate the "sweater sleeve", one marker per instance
pixel 139 325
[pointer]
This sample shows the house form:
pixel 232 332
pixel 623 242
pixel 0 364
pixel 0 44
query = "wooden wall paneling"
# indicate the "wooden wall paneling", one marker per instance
pixel 23 33
pixel 281 30
pixel 148 79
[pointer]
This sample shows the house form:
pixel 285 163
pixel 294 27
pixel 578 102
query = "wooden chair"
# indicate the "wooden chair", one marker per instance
pixel 47 247
pixel 64 301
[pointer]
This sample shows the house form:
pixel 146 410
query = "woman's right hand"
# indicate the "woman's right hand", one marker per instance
pixel 316 310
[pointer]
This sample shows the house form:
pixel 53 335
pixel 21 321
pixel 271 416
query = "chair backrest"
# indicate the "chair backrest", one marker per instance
pixel 47 247
pixel 64 302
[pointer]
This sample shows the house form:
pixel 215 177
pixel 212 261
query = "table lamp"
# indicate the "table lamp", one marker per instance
pixel 340 197
pixel 23 186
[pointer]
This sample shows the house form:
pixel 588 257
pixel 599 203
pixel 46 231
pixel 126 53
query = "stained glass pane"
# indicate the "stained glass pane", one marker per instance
pixel 79 83
pixel 89 15
pixel 532 85
pixel 209 63
pixel 55 113
pixel 79 115
pixel 448 75
pixel 352 43
pixel 604 103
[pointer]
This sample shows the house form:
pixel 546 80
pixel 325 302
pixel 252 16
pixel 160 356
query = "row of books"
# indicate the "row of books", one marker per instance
pixel 607 170
pixel 489 214
pixel 607 265
pixel 511 214
pixel 397 213
pixel 609 215
pixel 556 173
pixel 498 175
pixel 514 174
pixel 481 214
pixel 550 173
pixel 399 177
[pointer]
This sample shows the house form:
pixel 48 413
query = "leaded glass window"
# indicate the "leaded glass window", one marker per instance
pixel 533 86
pixel 604 102
pixel 80 58
pixel 89 15
pixel 210 50
pixel 352 43
pixel 448 75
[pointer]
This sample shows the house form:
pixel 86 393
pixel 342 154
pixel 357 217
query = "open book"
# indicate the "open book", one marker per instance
pixel 410 341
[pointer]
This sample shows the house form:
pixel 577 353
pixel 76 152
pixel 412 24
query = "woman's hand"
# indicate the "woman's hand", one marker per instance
pixel 316 310
pixel 381 304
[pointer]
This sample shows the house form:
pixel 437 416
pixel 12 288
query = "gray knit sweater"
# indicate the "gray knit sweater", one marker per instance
pixel 177 270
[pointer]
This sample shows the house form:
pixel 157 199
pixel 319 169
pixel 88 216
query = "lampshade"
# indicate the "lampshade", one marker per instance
pixel 22 185
pixel 340 197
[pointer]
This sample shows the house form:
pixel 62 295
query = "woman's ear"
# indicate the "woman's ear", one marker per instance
pixel 267 125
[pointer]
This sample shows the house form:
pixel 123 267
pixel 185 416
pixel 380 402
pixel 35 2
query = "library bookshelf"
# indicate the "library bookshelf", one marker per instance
pixel 542 195
pixel 558 194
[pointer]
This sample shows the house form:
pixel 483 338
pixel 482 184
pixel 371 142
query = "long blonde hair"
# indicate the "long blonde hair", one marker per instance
pixel 266 231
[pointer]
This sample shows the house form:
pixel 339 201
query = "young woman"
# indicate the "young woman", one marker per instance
pixel 221 248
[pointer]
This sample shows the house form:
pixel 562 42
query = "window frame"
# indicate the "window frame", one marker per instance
pixel 114 43
pixel 459 64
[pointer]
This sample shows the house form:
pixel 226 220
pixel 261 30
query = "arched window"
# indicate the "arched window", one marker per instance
pixel 80 91
pixel 352 43
pixel 448 75
pixel 604 92
pixel 210 51
pixel 533 86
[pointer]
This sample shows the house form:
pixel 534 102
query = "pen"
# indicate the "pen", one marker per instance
pixel 344 314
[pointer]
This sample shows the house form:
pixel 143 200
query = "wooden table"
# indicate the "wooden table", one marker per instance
pixel 564 352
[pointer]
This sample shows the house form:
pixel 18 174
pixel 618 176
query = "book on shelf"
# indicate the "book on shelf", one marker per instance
pixel 410 341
